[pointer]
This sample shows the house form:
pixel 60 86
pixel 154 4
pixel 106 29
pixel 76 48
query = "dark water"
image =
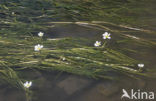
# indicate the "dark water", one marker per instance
pixel 58 86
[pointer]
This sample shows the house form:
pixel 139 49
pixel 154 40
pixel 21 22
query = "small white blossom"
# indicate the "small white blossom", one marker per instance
pixel 12 13
pixel 106 35
pixel 97 43
pixel 40 34
pixel 27 84
pixel 140 65
pixel 63 58
pixel 38 47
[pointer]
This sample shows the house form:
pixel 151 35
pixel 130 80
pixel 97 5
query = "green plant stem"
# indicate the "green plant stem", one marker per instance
pixel 104 44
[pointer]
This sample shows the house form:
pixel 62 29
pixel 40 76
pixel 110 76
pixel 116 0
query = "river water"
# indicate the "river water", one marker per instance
pixel 60 86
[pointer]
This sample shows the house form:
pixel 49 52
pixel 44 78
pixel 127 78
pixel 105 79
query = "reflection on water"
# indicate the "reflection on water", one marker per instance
pixel 73 30
pixel 58 86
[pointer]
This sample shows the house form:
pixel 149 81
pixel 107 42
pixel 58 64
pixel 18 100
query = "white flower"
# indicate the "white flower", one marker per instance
pixel 12 13
pixel 97 43
pixel 106 35
pixel 38 47
pixel 140 65
pixel 63 58
pixel 27 84
pixel 40 34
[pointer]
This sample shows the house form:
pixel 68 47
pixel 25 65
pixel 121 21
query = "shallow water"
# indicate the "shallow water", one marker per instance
pixel 60 86
pixel 84 89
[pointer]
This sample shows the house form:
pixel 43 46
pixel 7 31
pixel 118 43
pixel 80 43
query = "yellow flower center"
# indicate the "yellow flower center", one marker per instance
pixel 107 36
pixel 39 48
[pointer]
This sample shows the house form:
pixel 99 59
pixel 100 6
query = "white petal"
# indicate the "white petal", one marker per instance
pixel 106 33
pixel 36 49
pixel 104 37
pixel 30 83
pixel 41 46
pixel 109 37
pixel 140 65
pixel 25 84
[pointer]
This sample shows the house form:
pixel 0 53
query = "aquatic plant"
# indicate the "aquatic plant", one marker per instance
pixel 97 44
pixel 40 34
pixel 38 47
pixel 27 84
pixel 106 35
pixel 140 65
pixel 20 20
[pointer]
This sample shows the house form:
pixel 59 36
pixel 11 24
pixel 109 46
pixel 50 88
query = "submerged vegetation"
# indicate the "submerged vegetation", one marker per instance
pixel 22 47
